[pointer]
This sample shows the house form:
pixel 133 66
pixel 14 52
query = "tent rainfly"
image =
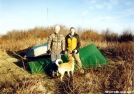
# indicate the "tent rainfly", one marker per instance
pixel 37 51
pixel 90 56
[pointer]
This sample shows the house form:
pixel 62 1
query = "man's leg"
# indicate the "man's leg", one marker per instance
pixel 53 65
pixel 54 57
pixel 58 55
pixel 78 62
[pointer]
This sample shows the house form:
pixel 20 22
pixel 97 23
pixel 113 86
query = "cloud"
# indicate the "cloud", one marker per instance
pixel 10 20
pixel 85 13
pixel 127 12
pixel 105 19
pixel 99 6
pixel 114 2
pixel 128 3
pixel 130 11
pixel 91 7
pixel 108 5
pixel 90 1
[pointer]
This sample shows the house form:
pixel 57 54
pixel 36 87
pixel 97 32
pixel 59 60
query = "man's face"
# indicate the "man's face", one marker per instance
pixel 57 29
pixel 72 31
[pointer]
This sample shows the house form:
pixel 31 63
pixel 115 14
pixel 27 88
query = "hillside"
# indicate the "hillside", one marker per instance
pixel 116 77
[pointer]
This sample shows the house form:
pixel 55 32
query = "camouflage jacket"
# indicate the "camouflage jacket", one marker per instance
pixel 56 42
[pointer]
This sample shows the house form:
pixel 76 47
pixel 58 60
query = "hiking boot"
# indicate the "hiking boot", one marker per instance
pixel 54 74
pixel 81 71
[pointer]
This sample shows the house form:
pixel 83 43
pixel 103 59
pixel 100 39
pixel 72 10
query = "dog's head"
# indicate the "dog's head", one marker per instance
pixel 70 58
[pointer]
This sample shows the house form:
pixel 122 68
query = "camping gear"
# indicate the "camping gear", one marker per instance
pixel 37 51
pixel 90 56
pixel 43 66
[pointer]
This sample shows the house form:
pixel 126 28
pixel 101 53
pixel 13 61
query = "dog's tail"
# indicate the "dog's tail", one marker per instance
pixel 57 62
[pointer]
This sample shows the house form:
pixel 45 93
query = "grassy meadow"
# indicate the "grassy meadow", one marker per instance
pixel 115 77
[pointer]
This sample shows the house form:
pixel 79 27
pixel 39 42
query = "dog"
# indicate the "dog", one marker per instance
pixel 66 66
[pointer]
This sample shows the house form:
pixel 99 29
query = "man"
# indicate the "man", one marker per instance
pixel 56 46
pixel 73 46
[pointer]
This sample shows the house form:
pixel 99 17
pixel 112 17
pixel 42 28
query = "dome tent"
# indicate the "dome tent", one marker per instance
pixel 91 56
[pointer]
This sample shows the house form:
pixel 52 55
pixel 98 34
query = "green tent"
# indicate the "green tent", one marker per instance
pixel 90 56
pixel 43 66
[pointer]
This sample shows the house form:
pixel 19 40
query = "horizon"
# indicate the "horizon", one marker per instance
pixel 98 15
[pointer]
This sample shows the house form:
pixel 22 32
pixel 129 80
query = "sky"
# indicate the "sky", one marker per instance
pixel 99 15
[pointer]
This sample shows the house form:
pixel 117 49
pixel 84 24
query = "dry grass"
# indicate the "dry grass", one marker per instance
pixel 116 76
pixel 122 51
pixel 19 84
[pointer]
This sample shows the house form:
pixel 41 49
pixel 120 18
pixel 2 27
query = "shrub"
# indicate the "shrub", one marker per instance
pixel 90 35
pixel 126 36
pixel 110 36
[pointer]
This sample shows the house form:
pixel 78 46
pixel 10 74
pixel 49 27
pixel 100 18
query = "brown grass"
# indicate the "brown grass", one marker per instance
pixel 19 84
pixel 99 80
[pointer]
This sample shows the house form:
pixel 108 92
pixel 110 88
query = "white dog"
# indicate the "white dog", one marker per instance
pixel 67 66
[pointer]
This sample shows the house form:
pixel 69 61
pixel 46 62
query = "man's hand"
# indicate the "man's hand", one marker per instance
pixel 63 52
pixel 49 52
pixel 75 51
pixel 70 51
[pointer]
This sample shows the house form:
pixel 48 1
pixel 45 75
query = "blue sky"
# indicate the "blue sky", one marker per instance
pixel 117 15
